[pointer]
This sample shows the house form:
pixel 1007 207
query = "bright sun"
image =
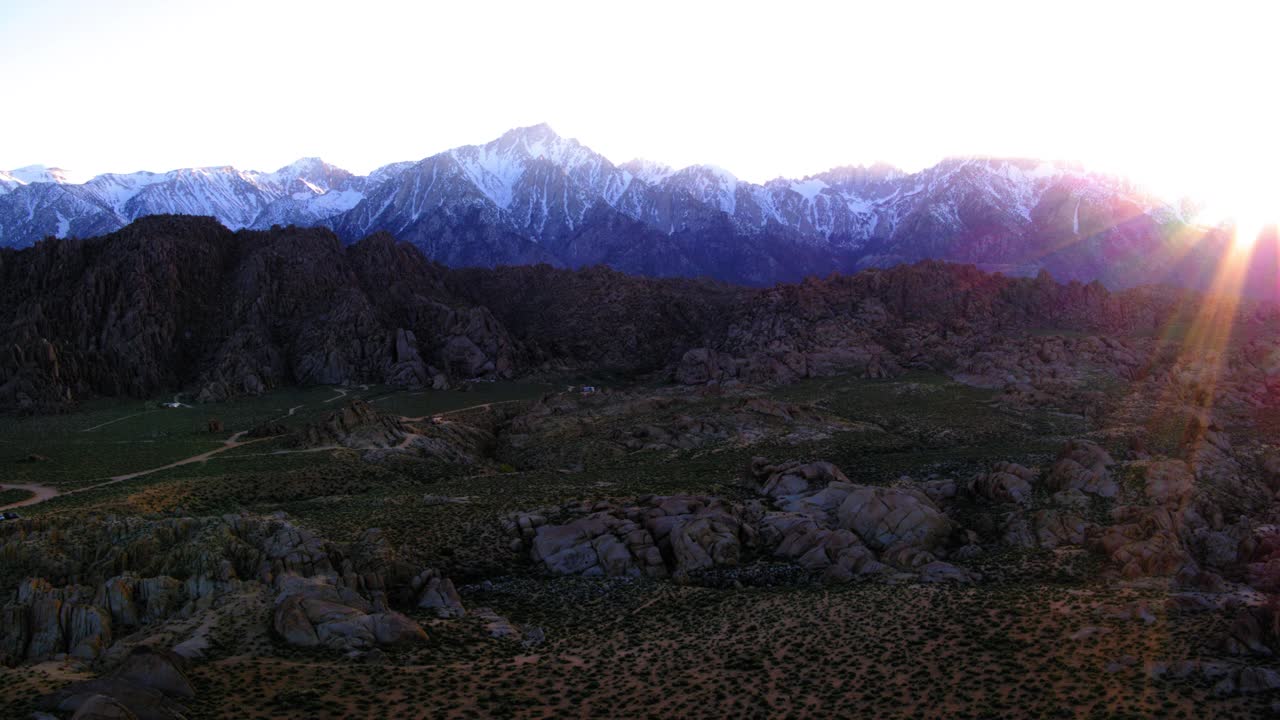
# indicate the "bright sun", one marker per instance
pixel 1247 206
pixel 1246 231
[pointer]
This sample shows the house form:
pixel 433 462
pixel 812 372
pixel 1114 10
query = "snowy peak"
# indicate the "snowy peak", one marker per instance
pixel 308 177
pixel 303 166
pixel 534 196
pixel 850 176
pixel 709 184
pixel 387 172
pixel 13 179
pixel 647 170
pixel 533 136
pixel 40 174
pixel 529 157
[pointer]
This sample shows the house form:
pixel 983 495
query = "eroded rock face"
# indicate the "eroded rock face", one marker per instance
pixel 1048 528
pixel 822 522
pixel 438 594
pixel 893 517
pixel 218 557
pixel 839 553
pixel 702 365
pixel 1169 482
pixel 1048 371
pixel 313 612
pixel 1254 631
pixel 102 707
pixel 1083 465
pixel 46 621
pixel 795 478
pixel 657 536
pixel 1144 542
pixel 355 424
pixel 1007 482
pixel 149 684
pixel 184 302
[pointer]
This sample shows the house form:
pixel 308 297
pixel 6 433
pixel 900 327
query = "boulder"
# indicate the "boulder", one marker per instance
pixel 940 572
pixel 159 670
pixel 291 623
pixel 1254 631
pixel 311 611
pixel 1169 482
pixel 1006 483
pixel 101 707
pixel 1143 542
pixel 1083 465
pixel 886 517
pixel 439 595
pixel 794 478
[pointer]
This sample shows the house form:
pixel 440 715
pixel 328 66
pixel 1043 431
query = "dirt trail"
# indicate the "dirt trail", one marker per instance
pixel 39 493
pixel 112 422
pixel 420 418
pixel 44 492
pixel 229 443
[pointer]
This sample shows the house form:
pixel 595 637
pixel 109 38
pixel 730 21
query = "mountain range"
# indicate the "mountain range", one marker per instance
pixel 532 196
pixel 178 303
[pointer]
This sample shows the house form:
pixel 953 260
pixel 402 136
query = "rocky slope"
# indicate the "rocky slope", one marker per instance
pixel 182 303
pixel 174 303
pixel 533 196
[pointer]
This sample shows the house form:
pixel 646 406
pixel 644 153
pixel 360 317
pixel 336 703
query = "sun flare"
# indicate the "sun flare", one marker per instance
pixel 1246 232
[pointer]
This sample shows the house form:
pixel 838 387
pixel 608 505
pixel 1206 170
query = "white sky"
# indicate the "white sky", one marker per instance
pixel 1181 97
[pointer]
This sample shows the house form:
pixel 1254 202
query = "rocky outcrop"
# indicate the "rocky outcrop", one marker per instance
pixel 330 595
pixel 183 302
pixel 355 424
pixel 437 594
pixel 1254 631
pixel 1048 529
pixel 794 478
pixel 893 518
pixel 811 515
pixel 657 536
pixel 839 553
pixel 1168 482
pixel 1083 465
pixel 149 684
pixel 1144 541
pixel 102 707
pixel 1006 483
pixel 46 621
pixel 312 612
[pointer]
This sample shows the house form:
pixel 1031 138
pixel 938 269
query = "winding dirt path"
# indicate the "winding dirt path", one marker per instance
pixel 229 443
pixel 420 418
pixel 39 493
pixel 44 492
pixel 112 422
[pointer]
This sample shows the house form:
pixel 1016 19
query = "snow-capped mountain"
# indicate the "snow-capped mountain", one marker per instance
pixel 38 202
pixel 533 196
pixel 12 179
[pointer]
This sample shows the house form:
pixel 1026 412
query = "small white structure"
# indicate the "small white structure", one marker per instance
pixel 588 389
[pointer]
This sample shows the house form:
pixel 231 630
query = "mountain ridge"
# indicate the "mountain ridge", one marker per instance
pixel 534 196
pixel 179 303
